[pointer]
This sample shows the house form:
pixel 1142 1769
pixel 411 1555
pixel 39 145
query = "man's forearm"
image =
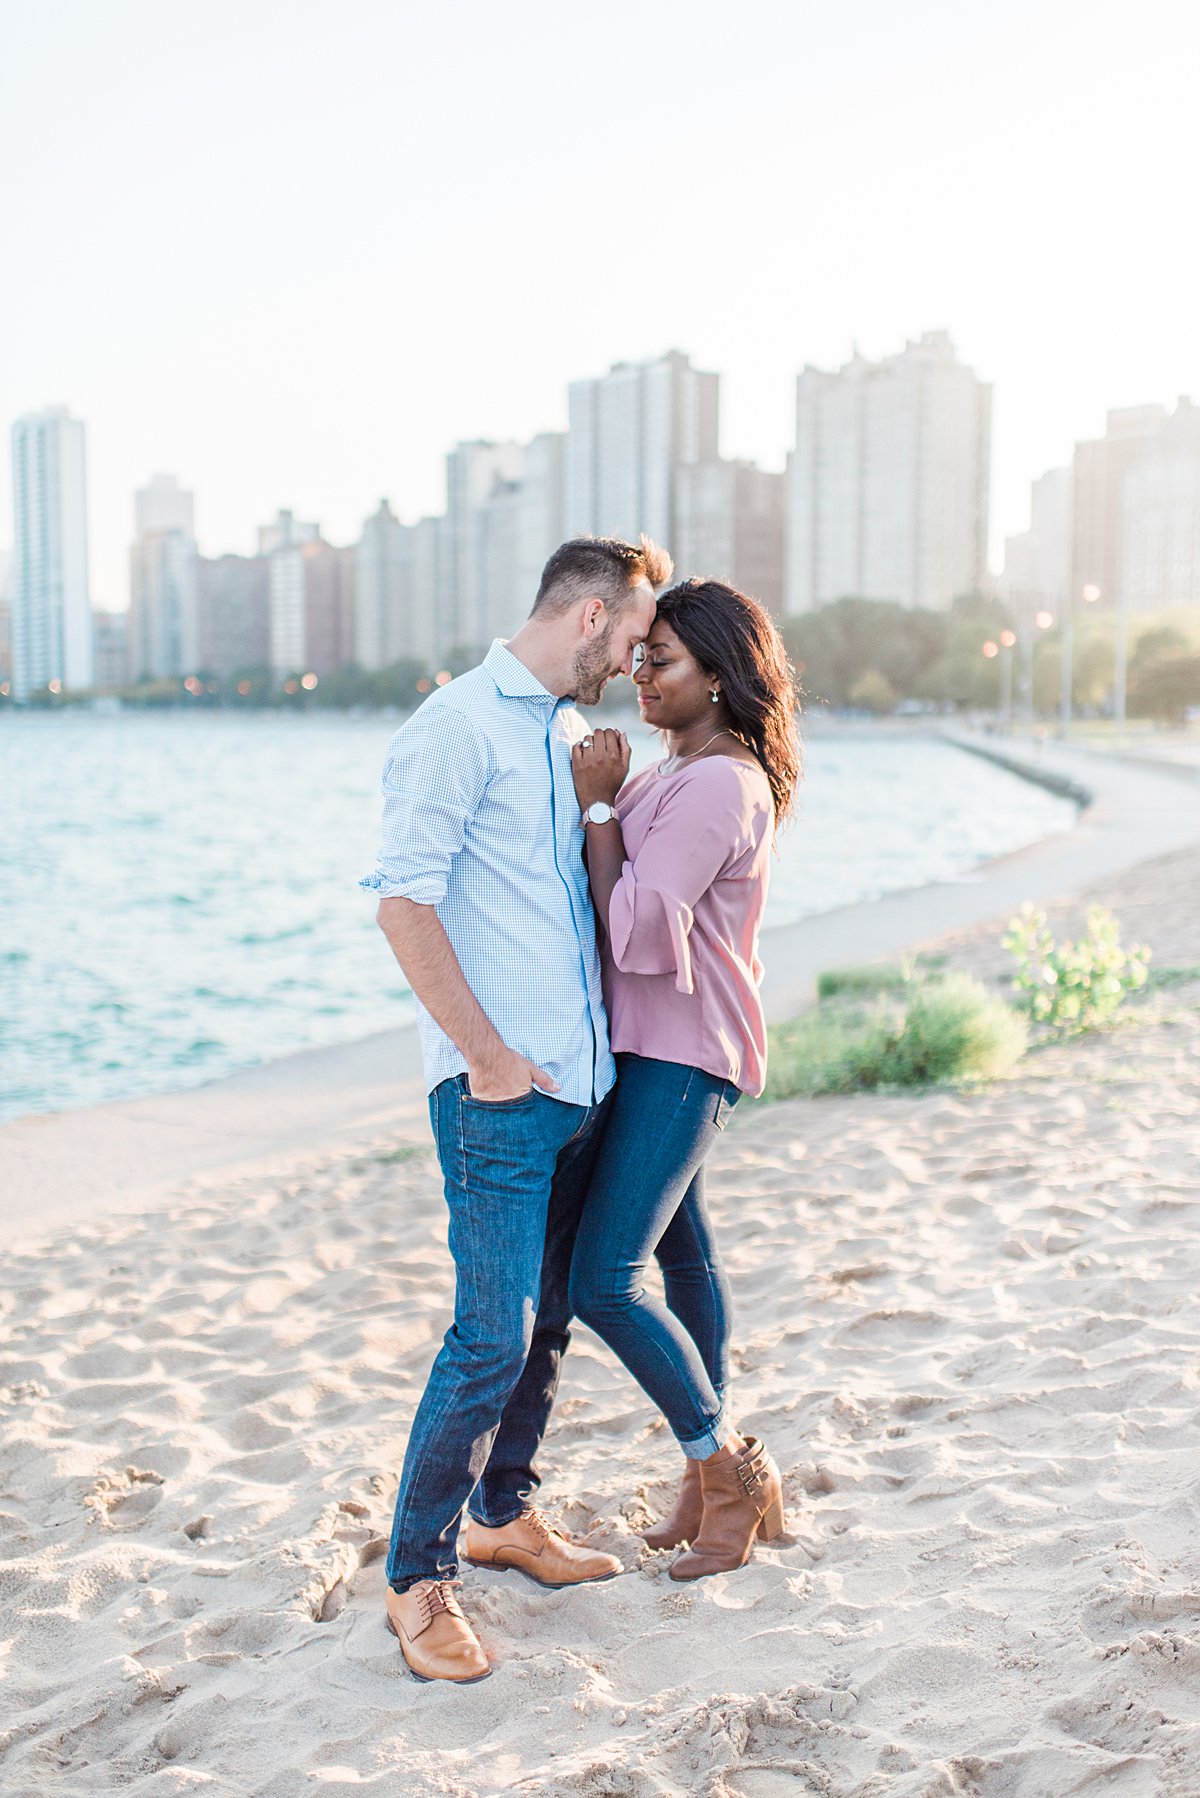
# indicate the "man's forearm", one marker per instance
pixel 423 949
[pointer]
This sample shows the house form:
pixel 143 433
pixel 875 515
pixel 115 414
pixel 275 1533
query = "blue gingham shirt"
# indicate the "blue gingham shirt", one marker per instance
pixel 480 821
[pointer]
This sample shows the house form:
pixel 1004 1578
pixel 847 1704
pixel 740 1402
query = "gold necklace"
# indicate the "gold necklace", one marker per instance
pixel 673 761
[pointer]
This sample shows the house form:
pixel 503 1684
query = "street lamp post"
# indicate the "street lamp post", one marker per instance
pixel 1008 643
pixel 1066 665
pixel 1041 622
pixel 1066 678
pixel 1120 667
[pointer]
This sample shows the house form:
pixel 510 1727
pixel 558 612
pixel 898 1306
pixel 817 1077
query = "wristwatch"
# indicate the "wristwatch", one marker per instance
pixel 598 813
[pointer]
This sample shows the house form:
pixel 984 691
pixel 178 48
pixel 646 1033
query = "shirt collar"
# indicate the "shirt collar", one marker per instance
pixel 512 677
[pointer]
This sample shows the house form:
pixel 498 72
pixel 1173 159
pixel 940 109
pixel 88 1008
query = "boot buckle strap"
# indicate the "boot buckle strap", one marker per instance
pixel 751 1478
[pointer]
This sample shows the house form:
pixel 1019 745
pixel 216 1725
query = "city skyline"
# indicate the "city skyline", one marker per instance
pixel 326 311
pixel 885 498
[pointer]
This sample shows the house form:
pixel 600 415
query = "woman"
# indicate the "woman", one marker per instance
pixel 679 878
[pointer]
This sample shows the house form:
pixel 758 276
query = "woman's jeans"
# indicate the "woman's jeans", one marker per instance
pixel 516 1172
pixel 647 1198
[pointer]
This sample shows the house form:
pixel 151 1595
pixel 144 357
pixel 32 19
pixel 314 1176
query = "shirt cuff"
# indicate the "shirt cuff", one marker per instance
pixel 422 889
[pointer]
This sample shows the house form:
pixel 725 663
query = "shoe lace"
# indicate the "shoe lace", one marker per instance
pixel 435 1596
pixel 540 1523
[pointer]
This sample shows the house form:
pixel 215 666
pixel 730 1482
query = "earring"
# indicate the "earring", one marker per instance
pixel 714 696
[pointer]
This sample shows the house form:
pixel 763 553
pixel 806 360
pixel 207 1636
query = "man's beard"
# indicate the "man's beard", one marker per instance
pixel 593 667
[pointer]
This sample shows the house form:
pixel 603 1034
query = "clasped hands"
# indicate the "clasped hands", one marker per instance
pixel 599 765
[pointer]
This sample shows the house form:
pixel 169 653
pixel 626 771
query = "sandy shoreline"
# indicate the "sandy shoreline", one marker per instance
pixel 967 1325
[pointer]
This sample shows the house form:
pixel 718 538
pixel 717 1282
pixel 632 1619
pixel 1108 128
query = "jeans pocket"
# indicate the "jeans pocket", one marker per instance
pixel 727 1098
pixel 468 1098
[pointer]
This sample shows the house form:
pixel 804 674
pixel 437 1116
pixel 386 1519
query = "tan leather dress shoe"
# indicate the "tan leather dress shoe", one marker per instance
pixel 435 1638
pixel 532 1546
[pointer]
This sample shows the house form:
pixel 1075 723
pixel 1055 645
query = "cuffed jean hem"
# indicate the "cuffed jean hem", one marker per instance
pixel 699 1448
pixel 401 1586
pixel 498 1523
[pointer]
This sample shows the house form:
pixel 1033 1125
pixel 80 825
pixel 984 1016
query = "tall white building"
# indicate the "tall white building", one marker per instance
pixel 51 603
pixel 1037 562
pixel 1160 517
pixel 1098 474
pixel 163 505
pixel 432 620
pixel 631 431
pixel 5 622
pixel 381 587
pixel 473 472
pixel 730 527
pixel 889 480
pixel 163 637
pixel 518 527
pixel 311 591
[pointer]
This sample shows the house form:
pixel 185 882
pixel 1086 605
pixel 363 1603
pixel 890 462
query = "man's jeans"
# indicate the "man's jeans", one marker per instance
pixel 516 1173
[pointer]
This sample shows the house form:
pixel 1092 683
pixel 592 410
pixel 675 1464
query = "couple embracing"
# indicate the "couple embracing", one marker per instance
pixel 578 1076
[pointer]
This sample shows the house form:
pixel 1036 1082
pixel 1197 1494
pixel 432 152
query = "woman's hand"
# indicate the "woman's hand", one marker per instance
pixel 599 765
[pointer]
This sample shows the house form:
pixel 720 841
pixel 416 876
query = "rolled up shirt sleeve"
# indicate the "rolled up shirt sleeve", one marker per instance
pixel 434 778
pixel 699 830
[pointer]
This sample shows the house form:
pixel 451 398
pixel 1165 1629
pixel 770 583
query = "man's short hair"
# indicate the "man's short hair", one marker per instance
pixel 600 568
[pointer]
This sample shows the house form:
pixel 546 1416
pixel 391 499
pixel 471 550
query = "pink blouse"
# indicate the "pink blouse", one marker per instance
pixel 681 967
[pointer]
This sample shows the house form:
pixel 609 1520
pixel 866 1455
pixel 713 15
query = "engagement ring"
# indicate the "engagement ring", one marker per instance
pixel 587 742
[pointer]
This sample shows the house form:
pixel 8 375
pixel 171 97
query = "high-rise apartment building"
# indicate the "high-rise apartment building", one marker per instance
pixel 111 650
pixel 432 623
pixel 1037 562
pixel 473 473
pixel 285 530
pixel 1160 516
pixel 631 431
pixel 730 527
pixel 389 623
pixel 518 527
pixel 163 505
pixel 233 614
pixel 162 582
pixel 889 480
pixel 5 622
pixel 1099 469
pixel 162 606
pixel 51 604
pixel 312 606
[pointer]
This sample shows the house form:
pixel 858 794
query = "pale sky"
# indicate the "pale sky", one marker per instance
pixel 292 252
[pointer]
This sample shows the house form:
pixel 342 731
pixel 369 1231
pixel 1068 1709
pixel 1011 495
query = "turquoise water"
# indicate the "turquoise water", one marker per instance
pixel 178 899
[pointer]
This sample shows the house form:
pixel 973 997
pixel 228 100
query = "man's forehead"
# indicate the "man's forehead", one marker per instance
pixel 646 603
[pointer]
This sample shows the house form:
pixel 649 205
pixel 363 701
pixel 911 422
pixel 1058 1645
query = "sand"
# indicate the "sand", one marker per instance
pixel 967 1326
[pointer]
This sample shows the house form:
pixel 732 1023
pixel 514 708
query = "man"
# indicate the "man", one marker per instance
pixel 485 902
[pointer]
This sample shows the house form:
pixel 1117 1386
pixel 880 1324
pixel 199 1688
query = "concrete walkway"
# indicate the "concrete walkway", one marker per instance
pixel 60 1169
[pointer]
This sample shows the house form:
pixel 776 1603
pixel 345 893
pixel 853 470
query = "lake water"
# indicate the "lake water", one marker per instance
pixel 178 897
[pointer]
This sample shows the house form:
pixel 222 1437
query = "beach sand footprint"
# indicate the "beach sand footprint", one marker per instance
pixel 123 1501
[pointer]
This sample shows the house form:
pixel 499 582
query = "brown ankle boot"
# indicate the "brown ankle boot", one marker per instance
pixel 743 1497
pixel 682 1522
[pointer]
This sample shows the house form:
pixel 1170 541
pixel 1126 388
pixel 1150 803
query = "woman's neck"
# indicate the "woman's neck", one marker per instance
pixel 696 736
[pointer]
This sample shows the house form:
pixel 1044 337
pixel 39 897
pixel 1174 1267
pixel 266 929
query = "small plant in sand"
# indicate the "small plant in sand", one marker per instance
pixel 926 1033
pixel 1073 986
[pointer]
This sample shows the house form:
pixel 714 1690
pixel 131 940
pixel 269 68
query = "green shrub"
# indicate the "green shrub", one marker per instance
pixel 1073 986
pixel 880 979
pixel 955 1030
pixel 929 1032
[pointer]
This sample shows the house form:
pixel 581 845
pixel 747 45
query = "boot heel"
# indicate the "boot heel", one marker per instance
pixel 771 1522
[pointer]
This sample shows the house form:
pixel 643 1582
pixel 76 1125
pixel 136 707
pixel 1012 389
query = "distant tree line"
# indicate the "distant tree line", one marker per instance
pixel 872 655
pixel 860 655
